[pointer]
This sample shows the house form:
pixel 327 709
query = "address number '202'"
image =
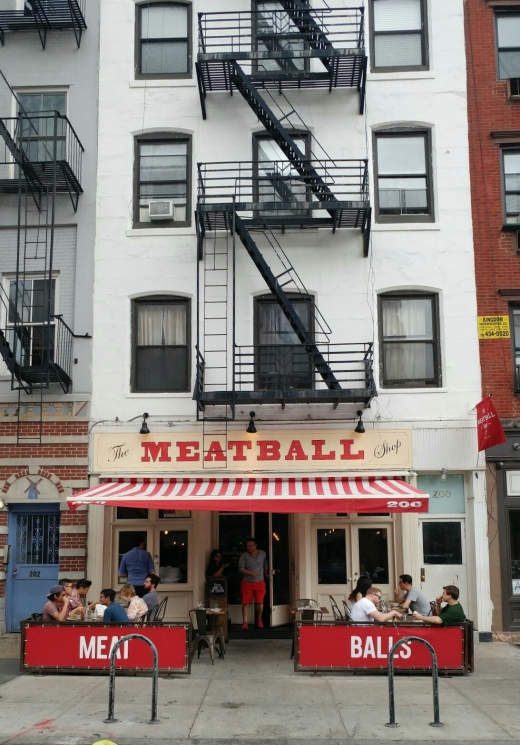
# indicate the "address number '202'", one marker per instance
pixel 403 504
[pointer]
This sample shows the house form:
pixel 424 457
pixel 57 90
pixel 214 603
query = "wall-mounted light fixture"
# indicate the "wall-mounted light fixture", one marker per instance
pixel 251 429
pixel 144 427
pixel 360 429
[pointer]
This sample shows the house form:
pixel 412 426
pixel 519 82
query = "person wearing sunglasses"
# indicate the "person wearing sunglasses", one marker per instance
pixel 365 610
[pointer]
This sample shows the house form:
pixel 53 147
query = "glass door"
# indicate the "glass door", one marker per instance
pixel 125 539
pixel 279 568
pixel 332 565
pixel 372 547
pixel 443 558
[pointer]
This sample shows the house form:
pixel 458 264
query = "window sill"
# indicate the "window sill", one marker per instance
pixel 408 75
pixel 132 233
pixel 185 394
pixel 169 83
pixel 383 227
pixel 408 391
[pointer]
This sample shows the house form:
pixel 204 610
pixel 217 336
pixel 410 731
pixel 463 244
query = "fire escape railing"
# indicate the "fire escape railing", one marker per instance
pixel 43 16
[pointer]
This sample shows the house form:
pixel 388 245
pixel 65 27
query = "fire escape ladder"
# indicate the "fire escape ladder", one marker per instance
pixel 305 22
pixel 280 135
pixel 306 338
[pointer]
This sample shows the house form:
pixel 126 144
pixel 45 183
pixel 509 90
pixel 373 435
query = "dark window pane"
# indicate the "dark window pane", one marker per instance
pixel 373 554
pixel 442 543
pixel 128 539
pixel 514 542
pixel 173 556
pixel 132 513
pixel 233 531
pixel 332 556
pixel 161 368
pixel 168 514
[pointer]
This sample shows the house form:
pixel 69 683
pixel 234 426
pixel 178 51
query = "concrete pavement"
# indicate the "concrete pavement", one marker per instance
pixel 254 695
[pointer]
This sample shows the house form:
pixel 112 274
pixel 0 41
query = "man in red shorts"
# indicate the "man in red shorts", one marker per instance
pixel 252 565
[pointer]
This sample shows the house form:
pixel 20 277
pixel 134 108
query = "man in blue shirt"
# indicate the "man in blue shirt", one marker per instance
pixel 114 613
pixel 135 565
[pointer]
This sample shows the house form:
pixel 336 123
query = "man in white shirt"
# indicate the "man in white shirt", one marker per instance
pixel 365 611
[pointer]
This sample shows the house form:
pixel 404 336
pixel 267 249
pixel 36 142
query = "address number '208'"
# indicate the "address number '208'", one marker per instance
pixel 403 504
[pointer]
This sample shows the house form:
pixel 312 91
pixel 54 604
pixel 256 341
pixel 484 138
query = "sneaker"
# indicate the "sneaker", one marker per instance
pixel 245 626
pixel 260 623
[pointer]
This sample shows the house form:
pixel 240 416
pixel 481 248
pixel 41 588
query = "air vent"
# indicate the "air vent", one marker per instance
pixel 514 88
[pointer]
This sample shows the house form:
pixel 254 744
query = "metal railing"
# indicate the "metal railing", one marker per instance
pixel 37 140
pixel 264 184
pixel 288 367
pixel 63 345
pixel 275 32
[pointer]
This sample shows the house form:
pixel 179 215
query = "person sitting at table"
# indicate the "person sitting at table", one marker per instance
pixel 452 612
pixel 365 611
pixel 114 612
pixel 137 608
pixel 57 605
pixel 413 598
pixel 216 567
pixel 82 588
pixel 360 590
pixel 151 598
pixel 75 607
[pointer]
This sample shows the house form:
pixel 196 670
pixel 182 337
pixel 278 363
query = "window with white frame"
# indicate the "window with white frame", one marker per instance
pixel 41 123
pixel 511 169
pixel 508 45
pixel 29 319
pixel 399 35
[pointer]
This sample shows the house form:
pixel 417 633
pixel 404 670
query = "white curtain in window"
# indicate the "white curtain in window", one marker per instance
pixel 407 318
pixel 397 15
pixel 161 325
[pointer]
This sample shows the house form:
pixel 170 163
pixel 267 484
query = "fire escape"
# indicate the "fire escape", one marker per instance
pixel 43 16
pixel 260 54
pixel 41 159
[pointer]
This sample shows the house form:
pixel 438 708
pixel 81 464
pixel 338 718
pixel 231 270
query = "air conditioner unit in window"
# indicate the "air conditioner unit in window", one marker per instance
pixel 161 209
pixel 514 88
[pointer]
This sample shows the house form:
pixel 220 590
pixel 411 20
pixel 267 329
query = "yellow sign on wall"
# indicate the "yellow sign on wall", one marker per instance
pixel 493 327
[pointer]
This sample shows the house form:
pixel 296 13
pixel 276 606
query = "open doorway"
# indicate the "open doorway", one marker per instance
pixel 273 534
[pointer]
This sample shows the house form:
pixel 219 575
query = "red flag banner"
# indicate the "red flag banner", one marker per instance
pixel 489 428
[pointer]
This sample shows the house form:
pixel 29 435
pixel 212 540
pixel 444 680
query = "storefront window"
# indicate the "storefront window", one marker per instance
pixel 514 550
pixel 442 542
pixel 332 556
pixel 132 513
pixel 173 556
pixel 446 497
pixel 128 539
pixel 373 554
pixel 169 514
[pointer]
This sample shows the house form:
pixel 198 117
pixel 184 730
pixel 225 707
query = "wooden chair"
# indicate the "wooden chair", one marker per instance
pixel 205 634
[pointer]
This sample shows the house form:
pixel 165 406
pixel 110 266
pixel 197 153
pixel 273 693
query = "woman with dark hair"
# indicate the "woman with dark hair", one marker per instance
pixel 57 605
pixel 360 590
pixel 216 567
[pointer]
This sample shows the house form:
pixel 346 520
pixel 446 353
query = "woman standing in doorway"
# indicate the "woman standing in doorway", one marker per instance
pixel 216 567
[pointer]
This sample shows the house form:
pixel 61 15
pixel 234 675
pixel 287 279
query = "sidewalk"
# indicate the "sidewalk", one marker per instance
pixel 255 696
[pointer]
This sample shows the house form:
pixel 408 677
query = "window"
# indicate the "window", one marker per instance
pixel 161 344
pixel 163 43
pixel 515 324
pixel 173 556
pixel 281 361
pixel 398 39
pixel 403 176
pixel 38 130
pixel 409 343
pixel 276 32
pixel 163 167
pixel 511 169
pixel 276 179
pixel 442 542
pixel 332 556
pixel 27 323
pixel 508 45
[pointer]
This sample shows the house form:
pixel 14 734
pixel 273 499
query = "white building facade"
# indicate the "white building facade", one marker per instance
pixel 223 223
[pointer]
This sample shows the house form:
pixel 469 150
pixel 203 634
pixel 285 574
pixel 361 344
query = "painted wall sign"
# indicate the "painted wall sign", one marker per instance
pixel 493 327
pixel 301 451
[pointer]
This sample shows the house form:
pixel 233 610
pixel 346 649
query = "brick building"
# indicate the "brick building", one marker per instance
pixel 48 139
pixel 493 63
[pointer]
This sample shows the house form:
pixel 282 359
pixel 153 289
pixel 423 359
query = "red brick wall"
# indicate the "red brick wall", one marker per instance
pixel 497 264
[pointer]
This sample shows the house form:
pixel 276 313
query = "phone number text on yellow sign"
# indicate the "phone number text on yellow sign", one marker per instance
pixel 493 327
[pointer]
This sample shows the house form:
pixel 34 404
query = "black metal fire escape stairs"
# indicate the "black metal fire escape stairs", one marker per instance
pixel 43 16
pixel 308 190
pixel 36 345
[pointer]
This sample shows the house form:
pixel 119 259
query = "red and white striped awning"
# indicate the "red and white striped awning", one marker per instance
pixel 259 494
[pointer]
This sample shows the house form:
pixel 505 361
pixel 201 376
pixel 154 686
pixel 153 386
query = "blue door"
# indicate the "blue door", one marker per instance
pixel 34 540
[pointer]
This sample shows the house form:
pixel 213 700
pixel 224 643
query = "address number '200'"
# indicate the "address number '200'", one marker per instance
pixel 403 504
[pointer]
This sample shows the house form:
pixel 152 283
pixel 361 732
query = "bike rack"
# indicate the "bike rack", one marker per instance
pixel 112 683
pixel 435 678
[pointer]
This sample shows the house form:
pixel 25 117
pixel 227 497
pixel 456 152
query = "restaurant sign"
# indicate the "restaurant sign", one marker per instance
pixel 275 450
pixel 83 646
